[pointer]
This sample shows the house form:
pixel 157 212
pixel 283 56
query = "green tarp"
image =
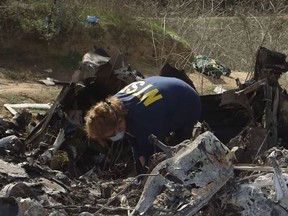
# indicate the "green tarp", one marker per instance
pixel 210 67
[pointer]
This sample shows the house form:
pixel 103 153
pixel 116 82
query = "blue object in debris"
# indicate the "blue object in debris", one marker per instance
pixel 92 19
pixel 46 20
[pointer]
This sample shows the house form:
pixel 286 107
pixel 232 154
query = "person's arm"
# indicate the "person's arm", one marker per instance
pixel 140 161
pixel 140 157
pixel 140 165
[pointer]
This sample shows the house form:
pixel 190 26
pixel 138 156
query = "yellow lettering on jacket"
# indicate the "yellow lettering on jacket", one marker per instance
pixel 150 97
pixel 132 87
pixel 138 94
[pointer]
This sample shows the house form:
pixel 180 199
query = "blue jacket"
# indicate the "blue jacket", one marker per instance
pixel 158 105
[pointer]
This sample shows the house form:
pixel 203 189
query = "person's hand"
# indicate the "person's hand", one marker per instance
pixel 140 165
pixel 142 160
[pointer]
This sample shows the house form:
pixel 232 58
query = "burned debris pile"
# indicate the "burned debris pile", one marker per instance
pixel 235 163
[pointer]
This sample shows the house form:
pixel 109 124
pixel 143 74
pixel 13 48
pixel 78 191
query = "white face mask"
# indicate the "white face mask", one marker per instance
pixel 118 136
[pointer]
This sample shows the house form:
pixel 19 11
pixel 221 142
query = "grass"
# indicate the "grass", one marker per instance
pixel 67 62
pixel 16 74
pixel 231 40
pixel 12 98
pixel 159 26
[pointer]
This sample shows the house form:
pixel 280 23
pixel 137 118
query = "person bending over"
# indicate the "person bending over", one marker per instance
pixel 156 105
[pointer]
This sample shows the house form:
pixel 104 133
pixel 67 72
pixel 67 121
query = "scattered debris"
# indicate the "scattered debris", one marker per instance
pixel 48 70
pixel 219 90
pixel 12 107
pixel 51 82
pixel 92 19
pixel 11 171
pixel 236 162
pixel 183 184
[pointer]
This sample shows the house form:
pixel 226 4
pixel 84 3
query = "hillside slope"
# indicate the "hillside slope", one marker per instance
pixel 26 60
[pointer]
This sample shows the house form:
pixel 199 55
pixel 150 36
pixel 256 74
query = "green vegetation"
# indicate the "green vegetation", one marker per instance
pixel 17 74
pixel 12 98
pixel 57 31
pixel 47 20
pixel 67 62
pixel 54 19
pixel 229 31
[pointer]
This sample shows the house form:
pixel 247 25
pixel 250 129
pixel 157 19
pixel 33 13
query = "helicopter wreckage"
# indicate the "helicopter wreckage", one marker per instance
pixel 236 162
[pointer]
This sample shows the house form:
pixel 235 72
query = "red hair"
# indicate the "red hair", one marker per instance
pixel 103 117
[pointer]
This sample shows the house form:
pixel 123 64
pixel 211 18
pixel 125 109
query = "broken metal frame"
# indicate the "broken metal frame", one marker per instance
pixel 271 96
pixel 40 128
pixel 202 166
pixel 240 97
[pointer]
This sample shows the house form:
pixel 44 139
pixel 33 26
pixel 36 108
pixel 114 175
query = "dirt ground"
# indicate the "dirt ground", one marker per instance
pixel 12 91
pixel 206 84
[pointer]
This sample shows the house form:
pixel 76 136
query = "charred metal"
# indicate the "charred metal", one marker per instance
pixel 235 163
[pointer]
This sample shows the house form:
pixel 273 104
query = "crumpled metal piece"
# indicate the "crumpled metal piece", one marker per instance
pixel 18 189
pixel 28 207
pixel 189 179
pixel 127 75
pixel 12 171
pixel 51 187
pixel 247 199
pixel 266 195
pixel 280 182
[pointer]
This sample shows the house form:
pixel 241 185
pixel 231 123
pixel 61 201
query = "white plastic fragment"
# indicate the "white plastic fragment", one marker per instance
pixel 12 107
pixel 48 154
